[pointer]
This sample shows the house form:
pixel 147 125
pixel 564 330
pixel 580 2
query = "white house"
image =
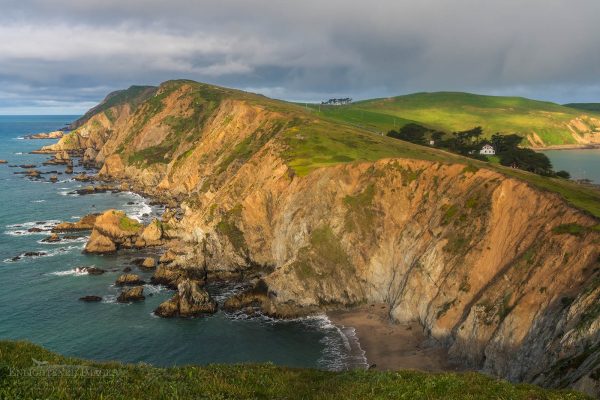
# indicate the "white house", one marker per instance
pixel 488 150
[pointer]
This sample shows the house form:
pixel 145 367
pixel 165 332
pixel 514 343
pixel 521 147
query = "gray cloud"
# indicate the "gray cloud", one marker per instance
pixel 67 54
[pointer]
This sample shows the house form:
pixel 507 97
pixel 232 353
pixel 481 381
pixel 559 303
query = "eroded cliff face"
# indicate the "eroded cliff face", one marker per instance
pixel 505 275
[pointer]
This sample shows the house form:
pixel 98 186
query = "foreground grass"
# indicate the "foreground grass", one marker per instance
pixel 56 380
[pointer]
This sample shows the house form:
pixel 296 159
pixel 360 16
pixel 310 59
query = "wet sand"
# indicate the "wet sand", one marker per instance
pixel 392 346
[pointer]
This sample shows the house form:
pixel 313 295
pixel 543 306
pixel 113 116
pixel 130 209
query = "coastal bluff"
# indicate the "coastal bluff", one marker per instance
pixel 499 267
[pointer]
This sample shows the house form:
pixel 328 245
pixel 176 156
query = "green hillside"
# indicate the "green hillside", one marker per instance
pixel 593 107
pixel 52 376
pixel 452 111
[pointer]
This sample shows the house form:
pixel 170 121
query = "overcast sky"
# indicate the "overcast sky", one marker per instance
pixel 63 56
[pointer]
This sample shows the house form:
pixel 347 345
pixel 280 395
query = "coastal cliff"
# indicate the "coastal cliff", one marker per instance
pixel 493 265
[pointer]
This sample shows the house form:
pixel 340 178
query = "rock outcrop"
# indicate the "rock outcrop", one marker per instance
pixel 190 301
pixel 46 135
pixel 91 299
pixel 151 235
pixel 134 294
pixel 112 230
pixel 148 263
pixel 128 280
pixel 84 224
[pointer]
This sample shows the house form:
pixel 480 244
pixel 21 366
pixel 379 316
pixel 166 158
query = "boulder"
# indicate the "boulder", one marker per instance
pixel 171 275
pixel 90 298
pixel 34 230
pixel 34 254
pixel 191 300
pixel 94 271
pixel 134 294
pixel 69 169
pixel 84 224
pixel 33 173
pixel 83 177
pixel 127 269
pixel 129 280
pixel 149 263
pixel 52 238
pixel 54 179
pixel 3 162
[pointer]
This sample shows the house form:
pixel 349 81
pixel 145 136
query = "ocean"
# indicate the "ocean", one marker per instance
pixel 39 296
pixel 581 164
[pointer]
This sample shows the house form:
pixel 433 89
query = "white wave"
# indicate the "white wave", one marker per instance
pixel 155 289
pixel 342 350
pixel 109 299
pixel 22 229
pixel 141 207
pixel 79 239
pixel 20 153
pixel 38 201
pixel 74 271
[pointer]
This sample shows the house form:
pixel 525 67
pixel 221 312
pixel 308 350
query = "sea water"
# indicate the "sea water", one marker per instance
pixel 39 296
pixel 580 163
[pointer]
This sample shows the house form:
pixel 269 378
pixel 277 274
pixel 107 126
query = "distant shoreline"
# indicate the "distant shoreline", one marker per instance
pixel 568 147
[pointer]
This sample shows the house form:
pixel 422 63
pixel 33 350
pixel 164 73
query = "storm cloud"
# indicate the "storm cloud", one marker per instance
pixel 65 55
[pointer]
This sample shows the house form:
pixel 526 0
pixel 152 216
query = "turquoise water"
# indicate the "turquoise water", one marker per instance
pixel 581 164
pixel 39 296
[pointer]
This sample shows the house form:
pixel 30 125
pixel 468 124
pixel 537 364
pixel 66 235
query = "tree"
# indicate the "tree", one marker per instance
pixel 563 174
pixel 411 132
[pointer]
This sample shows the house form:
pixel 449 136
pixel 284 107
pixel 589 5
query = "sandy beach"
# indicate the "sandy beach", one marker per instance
pixel 392 346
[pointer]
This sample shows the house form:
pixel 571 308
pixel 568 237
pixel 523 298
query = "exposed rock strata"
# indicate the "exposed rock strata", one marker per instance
pixel 483 262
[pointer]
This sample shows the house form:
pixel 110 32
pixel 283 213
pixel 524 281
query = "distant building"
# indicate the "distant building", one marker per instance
pixel 337 102
pixel 487 150
pixel 432 142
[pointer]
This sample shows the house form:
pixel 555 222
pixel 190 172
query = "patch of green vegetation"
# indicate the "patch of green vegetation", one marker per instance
pixel 470 169
pixel 228 227
pixel 456 244
pixel 110 115
pixel 361 214
pixel 571 229
pixel 111 380
pixel 128 224
pixel 150 155
pixel 465 284
pixel 449 213
pixel 323 255
pixel 505 307
pixel 250 145
pixel 444 308
pixel 472 202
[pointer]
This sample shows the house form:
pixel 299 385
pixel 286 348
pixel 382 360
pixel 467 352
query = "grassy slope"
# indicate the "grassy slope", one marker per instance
pixel 135 95
pixel 313 141
pixel 252 381
pixel 594 107
pixel 451 111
